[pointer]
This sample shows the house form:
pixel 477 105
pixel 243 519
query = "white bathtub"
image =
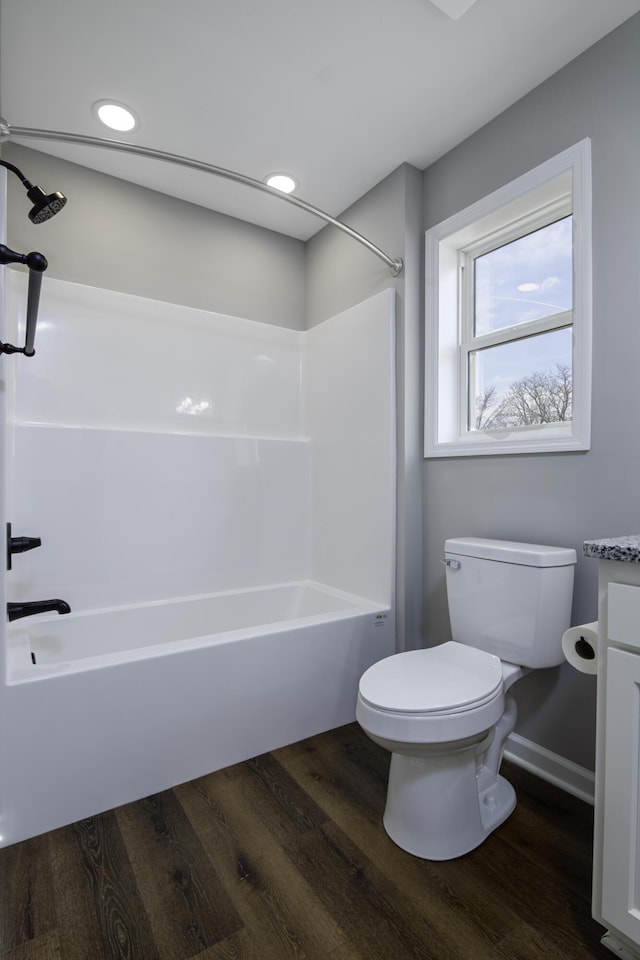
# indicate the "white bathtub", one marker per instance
pixel 125 702
pixel 177 625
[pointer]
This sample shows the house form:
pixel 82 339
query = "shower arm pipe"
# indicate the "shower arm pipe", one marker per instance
pixel 395 264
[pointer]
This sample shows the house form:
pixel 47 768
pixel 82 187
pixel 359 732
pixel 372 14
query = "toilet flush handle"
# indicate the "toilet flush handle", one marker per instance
pixel 453 564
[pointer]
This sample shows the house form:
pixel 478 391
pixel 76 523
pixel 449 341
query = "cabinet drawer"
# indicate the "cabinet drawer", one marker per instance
pixel 624 614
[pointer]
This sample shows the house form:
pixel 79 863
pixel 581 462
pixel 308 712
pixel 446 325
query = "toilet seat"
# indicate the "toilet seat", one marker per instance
pixel 444 679
pixel 445 693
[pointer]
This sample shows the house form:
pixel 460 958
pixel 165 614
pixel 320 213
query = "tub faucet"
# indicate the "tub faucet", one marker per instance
pixel 17 610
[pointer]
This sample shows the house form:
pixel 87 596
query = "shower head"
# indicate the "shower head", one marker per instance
pixel 45 205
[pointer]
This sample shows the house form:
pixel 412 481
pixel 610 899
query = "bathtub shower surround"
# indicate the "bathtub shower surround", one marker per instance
pixel 216 501
pixel 158 450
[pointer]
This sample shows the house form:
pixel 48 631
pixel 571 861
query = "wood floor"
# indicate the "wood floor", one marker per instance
pixel 285 857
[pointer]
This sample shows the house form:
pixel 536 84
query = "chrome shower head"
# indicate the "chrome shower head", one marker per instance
pixel 45 205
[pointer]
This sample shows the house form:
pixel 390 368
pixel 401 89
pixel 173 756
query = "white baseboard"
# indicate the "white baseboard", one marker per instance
pixel 616 946
pixel 563 773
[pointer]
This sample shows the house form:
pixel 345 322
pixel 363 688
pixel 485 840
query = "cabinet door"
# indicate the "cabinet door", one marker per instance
pixel 621 855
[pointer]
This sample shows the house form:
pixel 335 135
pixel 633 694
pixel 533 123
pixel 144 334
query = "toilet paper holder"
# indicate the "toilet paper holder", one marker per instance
pixel 584 649
pixel 580 647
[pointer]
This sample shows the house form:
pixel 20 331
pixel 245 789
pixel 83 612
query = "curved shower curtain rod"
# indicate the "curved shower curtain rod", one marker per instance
pixel 7 130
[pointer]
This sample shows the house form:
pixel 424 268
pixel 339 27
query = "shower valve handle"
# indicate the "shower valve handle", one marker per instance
pixel 19 545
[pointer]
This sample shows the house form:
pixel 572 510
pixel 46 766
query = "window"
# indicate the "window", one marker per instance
pixel 509 320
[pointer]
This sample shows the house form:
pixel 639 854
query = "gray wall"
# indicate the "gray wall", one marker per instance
pixel 562 498
pixel 119 236
pixel 340 272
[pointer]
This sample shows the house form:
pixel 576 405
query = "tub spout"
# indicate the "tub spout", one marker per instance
pixel 17 610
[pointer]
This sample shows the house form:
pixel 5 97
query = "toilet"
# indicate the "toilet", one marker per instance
pixel 445 712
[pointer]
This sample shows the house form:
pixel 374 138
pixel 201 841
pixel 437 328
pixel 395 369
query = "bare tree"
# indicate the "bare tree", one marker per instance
pixel 484 404
pixel 543 396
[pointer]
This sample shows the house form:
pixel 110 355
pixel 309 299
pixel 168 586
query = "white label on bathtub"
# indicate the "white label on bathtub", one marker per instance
pixel 380 619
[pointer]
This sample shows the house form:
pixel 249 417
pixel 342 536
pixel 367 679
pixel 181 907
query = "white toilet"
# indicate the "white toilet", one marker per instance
pixel 444 712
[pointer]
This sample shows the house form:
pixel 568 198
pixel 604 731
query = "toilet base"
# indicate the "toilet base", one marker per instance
pixel 434 809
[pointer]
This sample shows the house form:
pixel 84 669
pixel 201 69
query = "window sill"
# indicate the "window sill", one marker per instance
pixel 507 444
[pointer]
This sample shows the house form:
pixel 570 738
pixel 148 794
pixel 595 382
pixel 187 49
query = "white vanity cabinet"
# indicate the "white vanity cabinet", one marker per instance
pixel 621 811
pixel 616 868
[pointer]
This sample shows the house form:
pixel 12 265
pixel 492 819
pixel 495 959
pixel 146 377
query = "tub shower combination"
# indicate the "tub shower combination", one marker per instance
pixel 223 532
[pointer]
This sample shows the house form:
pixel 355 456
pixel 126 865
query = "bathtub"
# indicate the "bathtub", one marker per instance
pixel 108 706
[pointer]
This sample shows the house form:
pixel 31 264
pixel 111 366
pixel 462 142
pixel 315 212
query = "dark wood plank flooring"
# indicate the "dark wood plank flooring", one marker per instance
pixel 285 857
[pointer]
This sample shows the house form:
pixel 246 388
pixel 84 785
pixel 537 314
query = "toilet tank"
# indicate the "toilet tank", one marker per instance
pixel 510 599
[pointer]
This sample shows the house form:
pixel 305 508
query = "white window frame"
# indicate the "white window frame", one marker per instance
pixel 561 185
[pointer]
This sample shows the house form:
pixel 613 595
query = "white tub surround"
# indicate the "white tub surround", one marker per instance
pixel 216 502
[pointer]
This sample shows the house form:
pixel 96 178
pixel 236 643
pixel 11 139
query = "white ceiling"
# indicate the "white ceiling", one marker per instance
pixel 336 92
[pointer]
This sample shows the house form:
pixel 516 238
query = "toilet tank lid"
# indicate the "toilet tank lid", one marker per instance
pixel 528 554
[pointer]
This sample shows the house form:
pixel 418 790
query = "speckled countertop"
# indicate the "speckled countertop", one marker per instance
pixel 614 548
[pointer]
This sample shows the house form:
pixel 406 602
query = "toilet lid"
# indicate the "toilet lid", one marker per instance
pixel 450 677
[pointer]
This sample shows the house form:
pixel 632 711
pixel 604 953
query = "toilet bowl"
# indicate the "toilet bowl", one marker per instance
pixel 436 710
pixel 444 712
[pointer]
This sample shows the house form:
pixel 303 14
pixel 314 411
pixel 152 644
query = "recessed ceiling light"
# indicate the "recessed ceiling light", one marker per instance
pixel 281 181
pixel 528 287
pixel 116 116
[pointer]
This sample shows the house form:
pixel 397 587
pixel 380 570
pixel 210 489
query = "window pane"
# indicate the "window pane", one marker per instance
pixel 524 280
pixel 523 382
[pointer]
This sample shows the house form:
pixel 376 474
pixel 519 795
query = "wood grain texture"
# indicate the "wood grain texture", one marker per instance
pixel 26 908
pixel 284 857
pixel 42 948
pixel 185 900
pixel 245 829
pixel 98 906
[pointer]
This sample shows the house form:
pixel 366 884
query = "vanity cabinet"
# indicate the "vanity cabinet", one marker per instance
pixel 620 894
pixel 616 849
